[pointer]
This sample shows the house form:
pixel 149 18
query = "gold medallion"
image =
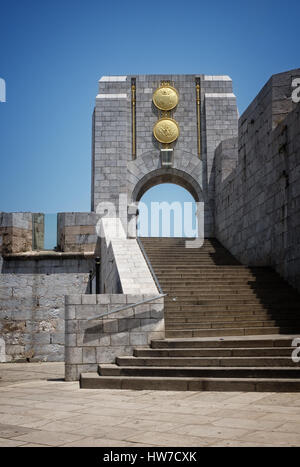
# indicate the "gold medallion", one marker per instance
pixel 165 97
pixel 166 130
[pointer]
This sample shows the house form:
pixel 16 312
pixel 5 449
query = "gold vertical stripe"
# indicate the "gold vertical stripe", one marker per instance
pixel 133 103
pixel 198 99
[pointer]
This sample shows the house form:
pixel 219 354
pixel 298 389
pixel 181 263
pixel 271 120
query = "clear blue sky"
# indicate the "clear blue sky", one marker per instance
pixel 180 221
pixel 52 54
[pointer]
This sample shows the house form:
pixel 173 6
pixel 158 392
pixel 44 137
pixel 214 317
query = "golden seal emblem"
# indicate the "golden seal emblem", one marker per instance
pixel 166 130
pixel 165 97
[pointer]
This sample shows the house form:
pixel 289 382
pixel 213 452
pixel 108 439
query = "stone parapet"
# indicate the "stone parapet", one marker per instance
pixel 76 231
pixel 101 340
pixel 21 231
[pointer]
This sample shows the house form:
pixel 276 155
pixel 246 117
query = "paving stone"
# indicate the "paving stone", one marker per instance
pixel 10 443
pixel 171 439
pixel 249 424
pixel 49 438
pixel 274 438
pixel 213 431
pixel 109 417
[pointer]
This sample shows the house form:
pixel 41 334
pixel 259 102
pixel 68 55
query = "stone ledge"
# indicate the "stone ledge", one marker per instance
pixel 45 254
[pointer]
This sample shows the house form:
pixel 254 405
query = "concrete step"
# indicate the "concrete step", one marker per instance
pixel 194 282
pixel 212 258
pixel 198 372
pixel 211 287
pixel 234 331
pixel 205 272
pixel 230 318
pixel 202 266
pixel 95 381
pixel 234 294
pixel 219 306
pixel 215 352
pixel 236 342
pixel 219 316
pixel 213 361
pixel 229 324
pixel 229 300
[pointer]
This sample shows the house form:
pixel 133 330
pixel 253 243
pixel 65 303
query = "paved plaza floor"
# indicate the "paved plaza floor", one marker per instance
pixel 38 408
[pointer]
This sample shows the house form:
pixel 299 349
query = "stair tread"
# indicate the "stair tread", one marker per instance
pixel 276 357
pixel 210 368
pixel 191 378
pixel 267 337
pixel 184 349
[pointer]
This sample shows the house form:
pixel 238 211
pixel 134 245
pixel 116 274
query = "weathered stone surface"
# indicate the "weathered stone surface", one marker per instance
pixel 257 209
pixel 32 308
pixel 76 231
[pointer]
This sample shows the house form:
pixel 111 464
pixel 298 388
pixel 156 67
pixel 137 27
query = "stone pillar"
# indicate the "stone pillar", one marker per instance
pixel 15 232
pixel 76 231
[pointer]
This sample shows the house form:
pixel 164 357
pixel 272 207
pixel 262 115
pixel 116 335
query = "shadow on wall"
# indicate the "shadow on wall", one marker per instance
pixel 113 326
pixel 222 257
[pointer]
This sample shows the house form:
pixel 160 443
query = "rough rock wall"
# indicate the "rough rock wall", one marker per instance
pixel 32 305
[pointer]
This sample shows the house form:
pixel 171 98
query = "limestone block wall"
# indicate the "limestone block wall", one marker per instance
pixel 32 291
pixel 221 123
pixel 76 231
pixel 257 203
pixel 111 139
pixel 89 343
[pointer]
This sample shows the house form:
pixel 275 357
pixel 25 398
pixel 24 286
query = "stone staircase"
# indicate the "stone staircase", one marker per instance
pixel 211 294
pixel 228 327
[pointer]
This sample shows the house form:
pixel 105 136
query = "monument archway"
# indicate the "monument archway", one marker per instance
pixel 150 129
pixel 146 172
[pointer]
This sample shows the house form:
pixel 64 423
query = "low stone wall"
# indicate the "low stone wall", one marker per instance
pixel 89 343
pixel 32 295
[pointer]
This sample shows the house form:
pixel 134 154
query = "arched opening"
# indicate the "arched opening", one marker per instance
pixel 170 176
pixel 166 210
